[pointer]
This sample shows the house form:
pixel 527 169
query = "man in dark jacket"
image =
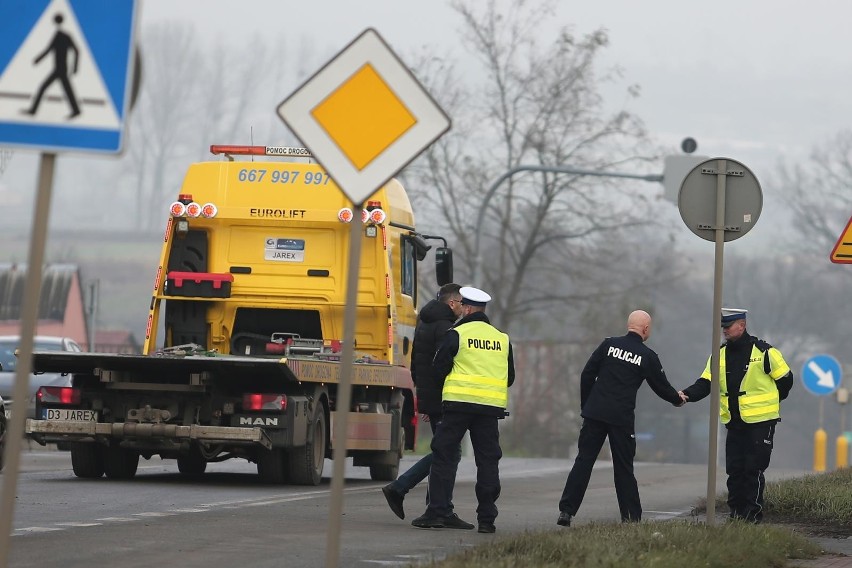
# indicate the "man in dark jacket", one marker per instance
pixel 608 386
pixel 434 320
pixel 474 364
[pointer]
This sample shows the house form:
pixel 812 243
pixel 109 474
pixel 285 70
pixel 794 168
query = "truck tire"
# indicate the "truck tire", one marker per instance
pixel 389 472
pixel 120 463
pixel 87 460
pixel 272 466
pixel 192 464
pixel 306 463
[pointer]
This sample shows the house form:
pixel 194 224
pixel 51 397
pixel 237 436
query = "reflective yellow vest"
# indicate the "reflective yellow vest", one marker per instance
pixel 760 401
pixel 480 373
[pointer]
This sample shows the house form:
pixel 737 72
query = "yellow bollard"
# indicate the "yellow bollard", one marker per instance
pixel 842 452
pixel 820 442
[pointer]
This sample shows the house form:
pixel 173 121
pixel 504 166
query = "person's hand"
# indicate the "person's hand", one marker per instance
pixel 683 398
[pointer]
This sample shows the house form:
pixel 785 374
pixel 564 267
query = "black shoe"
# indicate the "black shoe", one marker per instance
pixel 394 499
pixel 425 521
pixel 564 519
pixel 451 521
pixel 454 522
pixel 486 527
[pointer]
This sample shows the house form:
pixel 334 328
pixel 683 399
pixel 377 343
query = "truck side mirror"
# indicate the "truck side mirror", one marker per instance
pixel 421 247
pixel 443 265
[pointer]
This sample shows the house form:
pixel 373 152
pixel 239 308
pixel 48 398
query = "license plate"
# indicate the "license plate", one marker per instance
pixel 69 414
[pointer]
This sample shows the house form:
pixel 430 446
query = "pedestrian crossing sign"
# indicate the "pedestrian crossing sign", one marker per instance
pixel 64 72
pixel 842 251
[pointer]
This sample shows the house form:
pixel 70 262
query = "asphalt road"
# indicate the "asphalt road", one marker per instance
pixel 228 518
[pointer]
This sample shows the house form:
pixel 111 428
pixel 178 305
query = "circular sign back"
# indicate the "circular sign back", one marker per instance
pixel 697 199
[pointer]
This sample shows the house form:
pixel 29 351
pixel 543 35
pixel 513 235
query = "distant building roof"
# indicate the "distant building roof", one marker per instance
pixel 55 286
pixel 116 341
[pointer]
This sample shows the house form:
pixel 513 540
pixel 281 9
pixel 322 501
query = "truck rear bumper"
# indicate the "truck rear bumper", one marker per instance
pixel 58 430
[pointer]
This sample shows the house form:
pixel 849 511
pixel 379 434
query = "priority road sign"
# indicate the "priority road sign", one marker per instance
pixel 364 116
pixel 64 72
pixel 842 251
pixel 821 374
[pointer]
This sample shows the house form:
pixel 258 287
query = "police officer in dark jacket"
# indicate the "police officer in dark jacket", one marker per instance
pixel 476 367
pixel 434 320
pixel 608 386
pixel 753 380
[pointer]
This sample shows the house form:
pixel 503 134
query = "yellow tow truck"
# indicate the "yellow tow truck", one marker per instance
pixel 249 298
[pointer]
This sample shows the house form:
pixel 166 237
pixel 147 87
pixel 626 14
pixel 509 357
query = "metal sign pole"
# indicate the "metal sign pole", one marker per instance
pixel 29 317
pixel 344 393
pixel 712 454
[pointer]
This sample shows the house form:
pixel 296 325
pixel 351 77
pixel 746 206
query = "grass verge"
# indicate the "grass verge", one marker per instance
pixel 812 504
pixel 661 544
pixel 823 499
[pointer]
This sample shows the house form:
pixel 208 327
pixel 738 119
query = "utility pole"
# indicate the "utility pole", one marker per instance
pixel 92 313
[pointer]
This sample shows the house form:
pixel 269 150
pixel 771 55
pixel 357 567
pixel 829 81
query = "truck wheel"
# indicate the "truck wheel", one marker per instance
pixel 120 463
pixel 306 463
pixel 389 472
pixel 272 466
pixel 193 463
pixel 87 460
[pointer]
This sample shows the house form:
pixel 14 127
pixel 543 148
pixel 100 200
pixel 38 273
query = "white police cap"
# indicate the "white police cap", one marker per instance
pixel 730 315
pixel 474 296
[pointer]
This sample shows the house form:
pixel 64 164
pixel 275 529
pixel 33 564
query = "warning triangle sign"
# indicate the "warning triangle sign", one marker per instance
pixel 54 80
pixel 842 251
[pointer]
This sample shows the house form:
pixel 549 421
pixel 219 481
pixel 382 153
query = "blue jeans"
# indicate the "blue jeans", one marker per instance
pixel 419 471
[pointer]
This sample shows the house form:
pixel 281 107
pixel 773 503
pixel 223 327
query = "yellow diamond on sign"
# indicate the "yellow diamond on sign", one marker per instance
pixel 363 116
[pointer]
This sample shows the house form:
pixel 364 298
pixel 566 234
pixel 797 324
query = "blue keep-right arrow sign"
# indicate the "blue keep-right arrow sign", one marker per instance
pixel 821 374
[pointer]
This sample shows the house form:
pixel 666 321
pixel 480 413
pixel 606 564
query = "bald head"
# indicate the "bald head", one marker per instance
pixel 639 321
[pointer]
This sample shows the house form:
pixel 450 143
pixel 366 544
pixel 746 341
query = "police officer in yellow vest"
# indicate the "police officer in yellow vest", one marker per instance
pixel 475 363
pixel 753 380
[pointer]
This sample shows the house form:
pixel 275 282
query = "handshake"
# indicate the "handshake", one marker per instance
pixel 683 399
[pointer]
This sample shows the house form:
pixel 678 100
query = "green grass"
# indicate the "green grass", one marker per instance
pixel 658 544
pixel 820 499
pixel 824 499
pixel 820 502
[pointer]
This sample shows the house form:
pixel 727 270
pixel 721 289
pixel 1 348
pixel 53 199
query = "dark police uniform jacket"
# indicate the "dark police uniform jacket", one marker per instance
pixel 434 320
pixel 613 375
pixel 443 364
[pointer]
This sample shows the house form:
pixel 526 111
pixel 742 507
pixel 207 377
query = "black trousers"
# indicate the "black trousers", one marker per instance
pixel 485 439
pixel 622 442
pixel 747 454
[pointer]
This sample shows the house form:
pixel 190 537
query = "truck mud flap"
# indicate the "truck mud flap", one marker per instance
pixel 212 434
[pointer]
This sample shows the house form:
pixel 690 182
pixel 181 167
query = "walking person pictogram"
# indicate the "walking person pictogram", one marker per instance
pixel 60 45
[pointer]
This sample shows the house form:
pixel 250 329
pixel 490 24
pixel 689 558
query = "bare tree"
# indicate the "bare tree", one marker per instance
pixel 549 242
pixel 232 97
pixel 191 97
pixel 160 124
pixel 817 193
